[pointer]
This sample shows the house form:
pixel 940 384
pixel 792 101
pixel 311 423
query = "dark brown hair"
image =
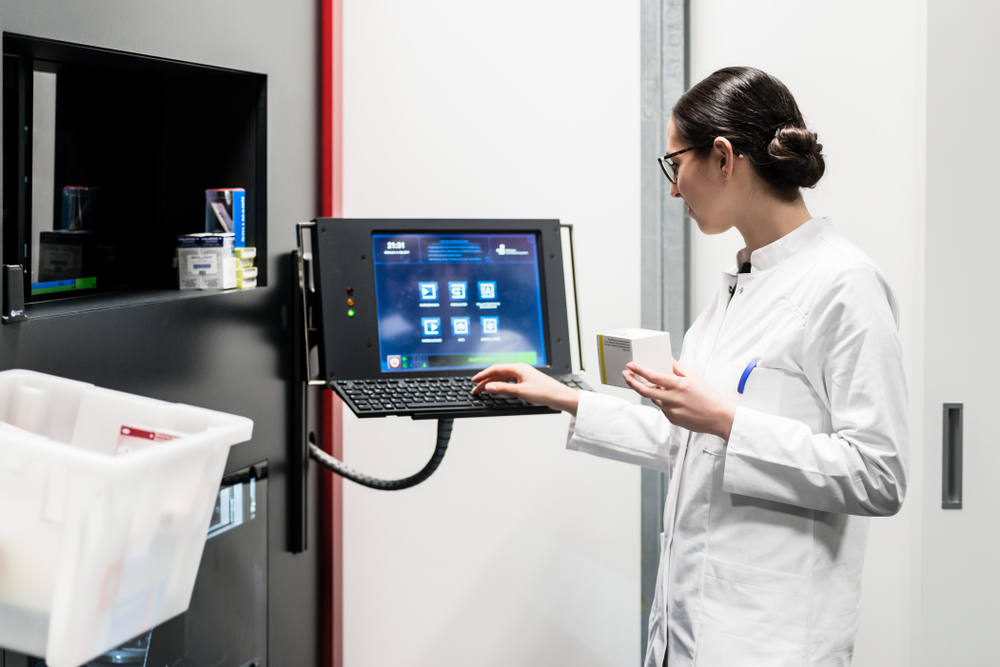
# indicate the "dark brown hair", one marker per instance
pixel 759 116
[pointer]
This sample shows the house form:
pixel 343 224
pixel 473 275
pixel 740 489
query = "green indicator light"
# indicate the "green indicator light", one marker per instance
pixel 350 312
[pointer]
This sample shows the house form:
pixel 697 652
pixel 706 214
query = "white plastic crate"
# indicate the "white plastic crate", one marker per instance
pixel 102 523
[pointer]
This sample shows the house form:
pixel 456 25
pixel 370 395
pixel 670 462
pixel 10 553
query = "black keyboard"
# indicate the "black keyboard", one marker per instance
pixel 435 397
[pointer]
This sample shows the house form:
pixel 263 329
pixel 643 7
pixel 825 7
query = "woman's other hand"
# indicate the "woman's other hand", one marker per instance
pixel 529 384
pixel 686 399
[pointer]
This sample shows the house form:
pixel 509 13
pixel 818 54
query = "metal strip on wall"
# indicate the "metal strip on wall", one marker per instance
pixel 331 205
pixel 666 242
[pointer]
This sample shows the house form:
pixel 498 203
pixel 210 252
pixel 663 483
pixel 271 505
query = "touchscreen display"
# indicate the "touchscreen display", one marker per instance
pixel 458 301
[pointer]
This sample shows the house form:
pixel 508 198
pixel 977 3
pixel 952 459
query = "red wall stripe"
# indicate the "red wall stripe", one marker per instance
pixel 332 205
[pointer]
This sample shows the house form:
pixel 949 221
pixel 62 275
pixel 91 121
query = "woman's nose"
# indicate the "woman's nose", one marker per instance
pixel 674 192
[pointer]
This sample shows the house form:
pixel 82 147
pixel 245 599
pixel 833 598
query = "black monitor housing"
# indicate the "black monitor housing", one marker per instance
pixel 343 269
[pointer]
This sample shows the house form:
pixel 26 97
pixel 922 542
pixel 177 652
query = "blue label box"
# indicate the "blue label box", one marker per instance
pixel 226 212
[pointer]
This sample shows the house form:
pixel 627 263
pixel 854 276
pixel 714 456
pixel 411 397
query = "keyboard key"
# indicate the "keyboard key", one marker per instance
pixel 439 404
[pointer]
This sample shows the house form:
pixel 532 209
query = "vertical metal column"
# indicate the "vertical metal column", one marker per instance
pixel 332 205
pixel 665 235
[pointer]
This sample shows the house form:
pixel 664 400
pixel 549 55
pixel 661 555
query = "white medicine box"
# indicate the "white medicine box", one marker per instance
pixel 206 261
pixel 619 347
pixel 105 501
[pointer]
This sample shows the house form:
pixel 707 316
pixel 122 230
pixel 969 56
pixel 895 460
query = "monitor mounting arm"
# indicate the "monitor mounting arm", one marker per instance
pixel 306 337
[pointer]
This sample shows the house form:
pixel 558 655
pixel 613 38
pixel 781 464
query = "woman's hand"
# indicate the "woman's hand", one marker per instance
pixel 530 385
pixel 686 399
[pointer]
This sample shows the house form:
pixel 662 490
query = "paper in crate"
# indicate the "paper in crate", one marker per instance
pixel 618 348
pixel 105 501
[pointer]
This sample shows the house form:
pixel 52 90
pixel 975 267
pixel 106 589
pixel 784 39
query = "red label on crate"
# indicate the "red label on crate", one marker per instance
pixel 132 438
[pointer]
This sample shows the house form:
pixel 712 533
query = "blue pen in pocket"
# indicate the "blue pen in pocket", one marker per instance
pixel 746 373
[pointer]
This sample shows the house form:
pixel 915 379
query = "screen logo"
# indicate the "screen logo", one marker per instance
pixel 460 326
pixel 394 361
pixel 487 289
pixel 456 290
pixel 431 326
pixel 490 325
pixel 502 249
pixel 428 291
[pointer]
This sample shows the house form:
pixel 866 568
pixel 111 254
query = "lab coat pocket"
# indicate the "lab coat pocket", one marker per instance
pixel 762 390
pixel 800 401
pixel 752 617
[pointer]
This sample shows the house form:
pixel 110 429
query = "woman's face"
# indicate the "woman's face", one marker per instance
pixel 700 184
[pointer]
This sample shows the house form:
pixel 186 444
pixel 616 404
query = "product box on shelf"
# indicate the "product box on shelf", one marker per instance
pixel 206 261
pixel 226 211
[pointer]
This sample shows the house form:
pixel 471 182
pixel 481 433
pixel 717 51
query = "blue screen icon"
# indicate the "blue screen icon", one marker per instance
pixel 487 289
pixel 428 291
pixel 457 290
pixel 490 325
pixel 431 326
pixel 460 326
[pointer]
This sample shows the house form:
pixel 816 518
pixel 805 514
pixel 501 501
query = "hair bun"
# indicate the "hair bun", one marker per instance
pixel 797 156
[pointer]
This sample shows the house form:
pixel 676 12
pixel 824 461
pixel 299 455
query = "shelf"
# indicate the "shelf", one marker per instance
pixel 123 299
pixel 139 139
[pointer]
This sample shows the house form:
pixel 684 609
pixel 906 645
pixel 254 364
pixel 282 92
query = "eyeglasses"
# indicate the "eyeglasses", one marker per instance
pixel 669 168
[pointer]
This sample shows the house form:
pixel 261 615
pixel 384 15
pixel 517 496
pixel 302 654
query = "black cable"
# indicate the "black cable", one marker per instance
pixel 342 469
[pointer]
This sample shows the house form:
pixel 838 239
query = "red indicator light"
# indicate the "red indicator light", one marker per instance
pixel 350 291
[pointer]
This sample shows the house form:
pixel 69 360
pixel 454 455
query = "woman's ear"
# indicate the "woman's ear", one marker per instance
pixel 725 156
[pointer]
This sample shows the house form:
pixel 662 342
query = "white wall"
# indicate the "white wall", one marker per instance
pixel 516 552
pixel 961 581
pixel 857 70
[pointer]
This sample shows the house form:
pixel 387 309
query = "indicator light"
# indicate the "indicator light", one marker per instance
pixel 350 302
pixel 350 312
pixel 350 291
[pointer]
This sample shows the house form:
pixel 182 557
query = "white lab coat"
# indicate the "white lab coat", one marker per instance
pixel 764 535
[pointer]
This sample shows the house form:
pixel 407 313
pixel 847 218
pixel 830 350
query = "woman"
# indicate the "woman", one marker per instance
pixel 785 417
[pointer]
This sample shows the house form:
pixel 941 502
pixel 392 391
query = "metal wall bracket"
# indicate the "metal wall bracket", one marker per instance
pixel 303 340
pixel 572 300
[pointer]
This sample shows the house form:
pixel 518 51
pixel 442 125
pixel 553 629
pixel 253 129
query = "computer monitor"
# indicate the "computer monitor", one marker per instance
pixel 417 298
